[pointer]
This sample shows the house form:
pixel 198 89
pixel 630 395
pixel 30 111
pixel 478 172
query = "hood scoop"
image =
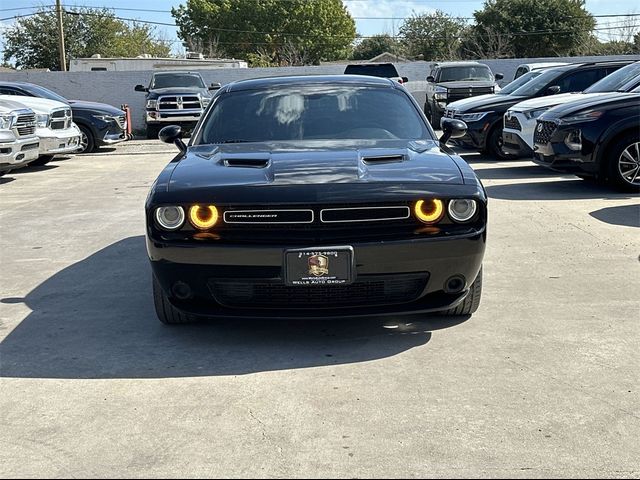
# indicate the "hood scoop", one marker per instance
pixel 246 162
pixel 380 159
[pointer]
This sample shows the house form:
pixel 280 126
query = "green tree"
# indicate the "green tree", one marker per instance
pixel 375 45
pixel 32 42
pixel 536 28
pixel 275 31
pixel 436 35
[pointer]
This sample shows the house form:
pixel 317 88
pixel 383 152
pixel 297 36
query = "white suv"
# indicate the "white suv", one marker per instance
pixel 18 143
pixel 520 120
pixel 54 126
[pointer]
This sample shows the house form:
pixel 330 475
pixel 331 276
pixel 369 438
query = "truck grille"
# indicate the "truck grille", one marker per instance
pixel 544 132
pixel 26 124
pixel 190 102
pixel 265 294
pixel 454 94
pixel 512 123
pixel 60 119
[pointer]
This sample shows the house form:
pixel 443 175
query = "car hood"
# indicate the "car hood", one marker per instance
pixel 102 108
pixel 314 162
pixel 589 102
pixel 8 106
pixel 551 101
pixel 484 102
pixel 468 84
pixel 37 104
pixel 157 92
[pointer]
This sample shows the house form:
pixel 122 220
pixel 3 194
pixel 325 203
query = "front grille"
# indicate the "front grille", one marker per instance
pixel 362 293
pixel 544 132
pixel 179 103
pixel 121 121
pixel 512 122
pixel 60 119
pixel 454 94
pixel 26 124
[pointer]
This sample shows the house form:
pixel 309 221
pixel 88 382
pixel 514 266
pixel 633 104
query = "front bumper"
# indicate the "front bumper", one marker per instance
pixel 475 138
pixel 426 264
pixel 556 155
pixel 155 117
pixel 58 141
pixel 514 144
pixel 17 152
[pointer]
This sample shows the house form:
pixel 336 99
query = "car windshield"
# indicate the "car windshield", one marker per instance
pixel 42 92
pixel 617 80
pixel 313 112
pixel 534 87
pixel 516 84
pixel 453 74
pixel 386 71
pixel 177 80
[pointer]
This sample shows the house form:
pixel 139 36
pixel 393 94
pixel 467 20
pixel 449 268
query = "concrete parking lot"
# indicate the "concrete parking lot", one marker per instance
pixel 543 381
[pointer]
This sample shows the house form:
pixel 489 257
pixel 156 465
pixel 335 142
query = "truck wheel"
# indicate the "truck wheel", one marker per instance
pixel 623 163
pixel 87 142
pixel 167 313
pixel 471 303
pixel 152 132
pixel 42 160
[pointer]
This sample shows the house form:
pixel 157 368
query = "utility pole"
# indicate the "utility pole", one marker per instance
pixel 63 60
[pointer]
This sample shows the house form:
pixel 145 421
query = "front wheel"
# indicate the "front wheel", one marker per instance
pixel 87 142
pixel 42 160
pixel 471 302
pixel 623 164
pixel 167 313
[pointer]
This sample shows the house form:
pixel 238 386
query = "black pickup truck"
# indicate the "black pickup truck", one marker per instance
pixel 453 81
pixel 175 98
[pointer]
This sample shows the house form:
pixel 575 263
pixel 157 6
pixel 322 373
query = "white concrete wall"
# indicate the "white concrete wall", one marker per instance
pixel 116 88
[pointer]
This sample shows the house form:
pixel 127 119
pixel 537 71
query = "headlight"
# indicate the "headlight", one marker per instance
pixel 462 209
pixel 429 211
pixel 42 120
pixel 573 140
pixel 6 121
pixel 203 217
pixel 589 116
pixel 205 101
pixel 170 218
pixel 440 93
pixel 473 117
pixel 152 104
pixel 531 114
pixel 104 118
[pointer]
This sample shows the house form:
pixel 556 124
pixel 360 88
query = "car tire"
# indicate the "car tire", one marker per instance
pixel 623 154
pixel 472 301
pixel 152 132
pixel 87 141
pixel 41 160
pixel 494 145
pixel 166 312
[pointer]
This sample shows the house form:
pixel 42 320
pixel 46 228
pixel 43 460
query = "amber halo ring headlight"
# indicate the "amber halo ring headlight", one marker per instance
pixel 170 218
pixel 462 209
pixel 429 211
pixel 203 217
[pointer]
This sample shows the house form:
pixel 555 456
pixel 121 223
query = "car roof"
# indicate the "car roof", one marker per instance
pixel 573 66
pixel 459 64
pixel 303 80
pixel 173 72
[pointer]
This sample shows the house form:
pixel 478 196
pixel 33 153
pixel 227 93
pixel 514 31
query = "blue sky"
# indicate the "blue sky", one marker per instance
pixel 383 10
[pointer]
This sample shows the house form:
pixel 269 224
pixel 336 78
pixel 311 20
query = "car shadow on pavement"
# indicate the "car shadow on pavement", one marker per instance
pixel 554 190
pixel 95 319
pixel 517 173
pixel 624 215
pixel 34 168
pixel 6 179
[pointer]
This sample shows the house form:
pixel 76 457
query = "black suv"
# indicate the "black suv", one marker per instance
pixel 453 81
pixel 484 115
pixel 383 70
pixel 175 98
pixel 101 124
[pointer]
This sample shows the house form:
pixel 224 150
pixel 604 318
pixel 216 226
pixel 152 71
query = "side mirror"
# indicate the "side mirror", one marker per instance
pixel 452 128
pixel 498 76
pixel 173 134
pixel 405 79
pixel 553 90
pixel 140 88
pixel 215 86
pixel 430 79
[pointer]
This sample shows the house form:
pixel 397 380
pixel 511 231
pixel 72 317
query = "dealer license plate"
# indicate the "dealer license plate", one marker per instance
pixel 319 266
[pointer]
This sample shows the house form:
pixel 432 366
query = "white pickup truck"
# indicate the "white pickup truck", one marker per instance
pixel 18 143
pixel 54 126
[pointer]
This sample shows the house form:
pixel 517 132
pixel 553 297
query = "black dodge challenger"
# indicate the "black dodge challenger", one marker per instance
pixel 317 197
